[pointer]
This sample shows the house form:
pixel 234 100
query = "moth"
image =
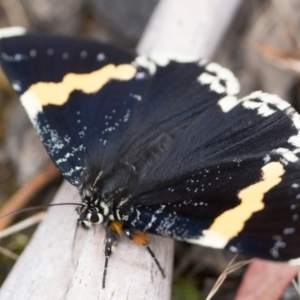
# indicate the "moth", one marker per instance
pixel 162 145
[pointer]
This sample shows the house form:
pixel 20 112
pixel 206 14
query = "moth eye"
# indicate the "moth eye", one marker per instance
pixel 94 218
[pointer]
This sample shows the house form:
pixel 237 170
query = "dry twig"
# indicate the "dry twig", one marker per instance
pixel 24 194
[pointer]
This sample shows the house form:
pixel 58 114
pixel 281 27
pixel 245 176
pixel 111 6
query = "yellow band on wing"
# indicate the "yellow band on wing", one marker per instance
pixel 44 93
pixel 231 222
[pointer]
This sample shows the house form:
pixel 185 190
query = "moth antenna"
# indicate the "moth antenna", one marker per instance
pixel 156 261
pixel 37 207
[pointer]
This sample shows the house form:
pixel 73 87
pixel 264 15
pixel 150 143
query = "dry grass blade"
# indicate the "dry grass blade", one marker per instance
pixel 24 194
pixel 285 16
pixel 229 269
pixel 297 284
pixel 263 21
pixel 8 253
pixel 22 225
pixel 289 61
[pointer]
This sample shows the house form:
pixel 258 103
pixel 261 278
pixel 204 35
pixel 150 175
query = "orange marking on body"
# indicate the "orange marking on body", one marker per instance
pixel 141 239
pixel 116 226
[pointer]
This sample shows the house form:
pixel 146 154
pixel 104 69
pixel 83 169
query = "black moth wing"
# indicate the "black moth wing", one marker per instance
pixel 91 131
pixel 230 178
pixel 44 67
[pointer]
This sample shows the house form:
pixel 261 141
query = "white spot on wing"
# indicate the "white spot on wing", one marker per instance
pixel 32 53
pixel 163 58
pixel 227 103
pixel 262 108
pixel 16 86
pixel 14 58
pixel 136 96
pixel 231 82
pixel 50 52
pixel 287 231
pixel 65 55
pixel 83 54
pixel 294 262
pixel 140 75
pixel 295 140
pixel 12 31
pixel 213 81
pixel 221 81
pixel 233 249
pixel 267 158
pixel 146 63
pixel 100 56
pixel 260 101
pixel 210 239
pixel 32 105
pixel 287 154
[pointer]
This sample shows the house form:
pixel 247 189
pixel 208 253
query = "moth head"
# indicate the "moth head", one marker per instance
pixel 90 212
pixel 89 217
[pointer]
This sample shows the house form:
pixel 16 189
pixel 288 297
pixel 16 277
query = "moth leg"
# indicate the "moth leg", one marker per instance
pixel 112 238
pixel 141 238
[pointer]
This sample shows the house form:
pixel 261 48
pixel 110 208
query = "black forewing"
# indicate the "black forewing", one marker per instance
pixel 87 123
